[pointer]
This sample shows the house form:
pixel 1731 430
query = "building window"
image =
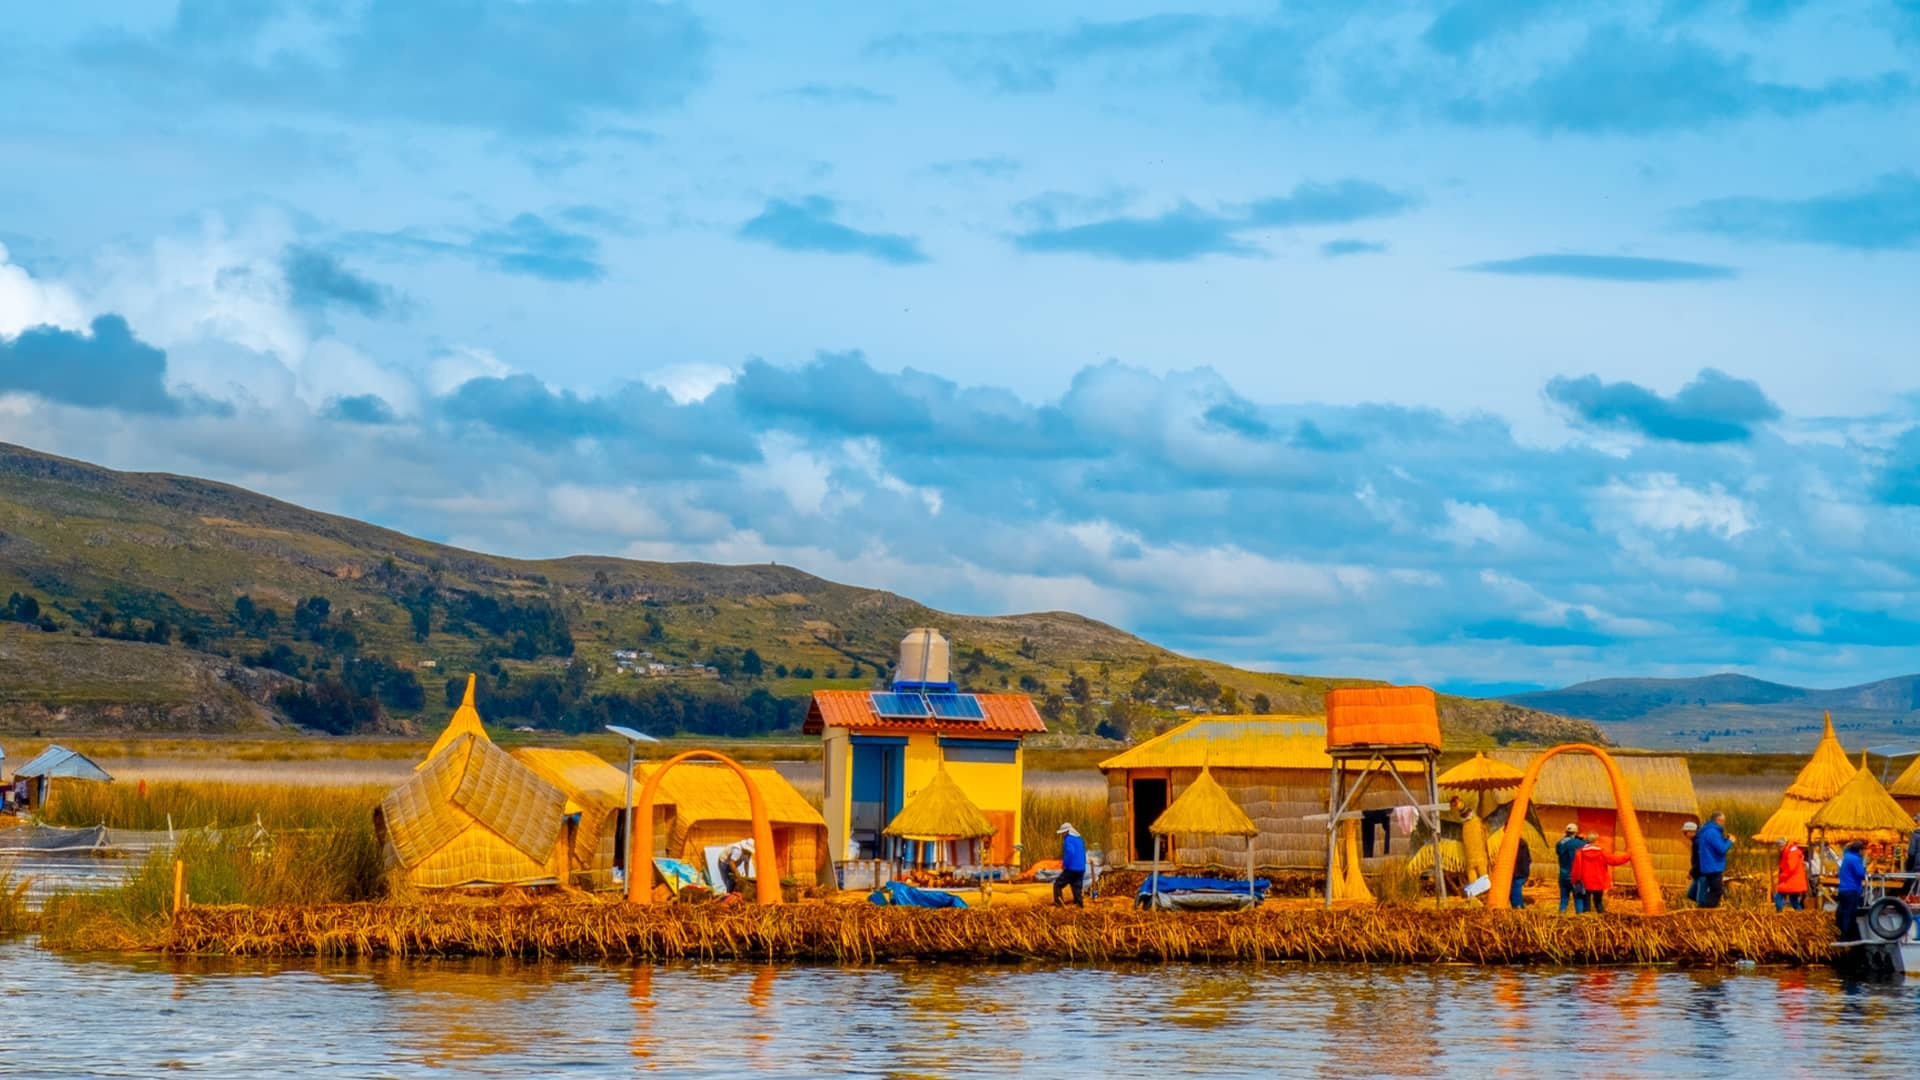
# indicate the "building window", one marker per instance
pixel 981 752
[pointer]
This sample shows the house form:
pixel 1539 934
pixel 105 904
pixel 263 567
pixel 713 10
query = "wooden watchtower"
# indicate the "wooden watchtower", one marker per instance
pixel 1373 731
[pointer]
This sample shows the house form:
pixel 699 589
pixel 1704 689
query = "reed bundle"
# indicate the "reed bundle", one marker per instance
pixel 860 934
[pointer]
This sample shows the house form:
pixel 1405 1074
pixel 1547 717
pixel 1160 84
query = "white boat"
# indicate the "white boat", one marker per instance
pixel 1889 933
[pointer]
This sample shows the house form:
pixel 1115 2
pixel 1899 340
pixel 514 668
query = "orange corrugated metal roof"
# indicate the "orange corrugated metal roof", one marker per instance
pixel 1237 742
pixel 1007 714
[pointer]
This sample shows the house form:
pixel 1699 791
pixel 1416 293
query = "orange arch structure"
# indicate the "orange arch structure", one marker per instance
pixel 639 884
pixel 1652 902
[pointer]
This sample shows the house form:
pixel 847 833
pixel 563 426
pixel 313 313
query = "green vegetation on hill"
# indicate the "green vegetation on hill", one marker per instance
pixel 214 608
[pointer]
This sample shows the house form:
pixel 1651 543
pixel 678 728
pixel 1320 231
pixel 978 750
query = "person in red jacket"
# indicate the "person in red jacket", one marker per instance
pixel 1593 874
pixel 1790 885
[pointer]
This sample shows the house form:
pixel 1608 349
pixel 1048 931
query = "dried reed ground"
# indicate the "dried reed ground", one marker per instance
pixel 860 934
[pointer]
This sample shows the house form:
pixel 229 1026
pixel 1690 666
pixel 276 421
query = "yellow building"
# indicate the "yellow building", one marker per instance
pixel 882 749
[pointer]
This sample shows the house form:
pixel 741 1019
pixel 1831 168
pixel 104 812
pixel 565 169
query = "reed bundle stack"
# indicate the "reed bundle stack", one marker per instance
pixel 862 934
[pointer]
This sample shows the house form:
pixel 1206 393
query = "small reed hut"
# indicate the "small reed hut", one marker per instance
pixel 1574 788
pixel 596 793
pixel 710 808
pixel 1820 779
pixel 1274 768
pixel 1905 788
pixel 945 826
pixel 1860 810
pixel 473 816
pixel 34 780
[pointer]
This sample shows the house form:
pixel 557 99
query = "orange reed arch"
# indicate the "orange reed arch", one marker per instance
pixel 1651 901
pixel 640 883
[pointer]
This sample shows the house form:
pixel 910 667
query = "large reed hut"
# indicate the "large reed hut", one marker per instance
pixel 1861 810
pixel 1274 768
pixel 1820 779
pixel 1574 788
pixel 1905 788
pixel 710 808
pixel 596 792
pixel 470 816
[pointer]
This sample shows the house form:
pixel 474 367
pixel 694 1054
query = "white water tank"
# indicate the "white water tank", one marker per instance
pixel 923 657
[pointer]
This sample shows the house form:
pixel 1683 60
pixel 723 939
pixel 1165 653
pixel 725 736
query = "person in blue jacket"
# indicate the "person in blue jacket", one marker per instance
pixel 1712 844
pixel 1073 865
pixel 1851 890
pixel 1565 850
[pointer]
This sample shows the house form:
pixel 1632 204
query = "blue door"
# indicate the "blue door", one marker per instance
pixel 878 785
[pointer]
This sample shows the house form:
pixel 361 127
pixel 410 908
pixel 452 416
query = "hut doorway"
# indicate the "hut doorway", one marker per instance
pixel 1149 802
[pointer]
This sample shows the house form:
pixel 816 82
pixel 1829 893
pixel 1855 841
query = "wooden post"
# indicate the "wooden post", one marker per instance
pixel 179 885
pixel 1156 866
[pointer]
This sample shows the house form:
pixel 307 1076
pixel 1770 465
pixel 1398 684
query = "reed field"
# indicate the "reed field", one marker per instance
pixel 861 934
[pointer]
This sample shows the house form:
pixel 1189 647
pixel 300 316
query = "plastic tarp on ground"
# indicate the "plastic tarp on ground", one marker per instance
pixel 895 894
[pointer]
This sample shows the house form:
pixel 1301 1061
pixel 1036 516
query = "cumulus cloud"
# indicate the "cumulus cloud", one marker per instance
pixel 1714 407
pixel 106 367
pixel 318 280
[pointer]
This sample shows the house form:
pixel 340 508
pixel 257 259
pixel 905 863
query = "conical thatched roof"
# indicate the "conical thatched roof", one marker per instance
pixel 1820 779
pixel 1481 773
pixel 1862 811
pixel 466 721
pixel 1907 784
pixel 1204 809
pixel 941 811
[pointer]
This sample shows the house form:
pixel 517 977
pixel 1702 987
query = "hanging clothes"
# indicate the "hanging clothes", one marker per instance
pixel 1371 820
pixel 1404 819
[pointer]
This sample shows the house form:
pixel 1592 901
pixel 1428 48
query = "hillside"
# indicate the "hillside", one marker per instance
pixel 155 602
pixel 1735 712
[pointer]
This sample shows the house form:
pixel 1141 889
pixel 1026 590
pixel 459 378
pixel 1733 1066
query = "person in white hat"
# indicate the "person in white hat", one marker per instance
pixel 1073 864
pixel 1692 831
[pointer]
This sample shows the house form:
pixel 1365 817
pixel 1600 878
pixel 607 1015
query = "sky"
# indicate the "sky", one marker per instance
pixel 1483 344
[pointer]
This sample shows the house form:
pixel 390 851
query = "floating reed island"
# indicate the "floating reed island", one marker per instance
pixel 854 934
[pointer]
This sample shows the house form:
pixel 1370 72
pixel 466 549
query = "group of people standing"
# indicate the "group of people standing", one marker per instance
pixel 1586 871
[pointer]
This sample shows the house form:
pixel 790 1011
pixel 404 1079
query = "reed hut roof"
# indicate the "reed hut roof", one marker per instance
pixel 1481 773
pixel 703 792
pixel 940 811
pixel 1862 810
pixel 1907 784
pixel 466 721
pixel 1822 777
pixel 1658 784
pixel 1204 809
pixel 1237 742
pixel 477 814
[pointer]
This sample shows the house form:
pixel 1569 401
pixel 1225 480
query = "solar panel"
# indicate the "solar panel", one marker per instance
pixel 956 707
pixel 899 705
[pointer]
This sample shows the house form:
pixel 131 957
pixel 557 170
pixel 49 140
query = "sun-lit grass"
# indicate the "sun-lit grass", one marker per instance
pixel 197 804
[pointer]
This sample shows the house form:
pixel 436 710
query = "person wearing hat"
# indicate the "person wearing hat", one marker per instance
pixel 1073 864
pixel 1691 830
pixel 1568 847
pixel 1790 883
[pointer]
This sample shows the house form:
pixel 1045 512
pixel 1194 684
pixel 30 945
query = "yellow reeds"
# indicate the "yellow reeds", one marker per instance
pixel 840 933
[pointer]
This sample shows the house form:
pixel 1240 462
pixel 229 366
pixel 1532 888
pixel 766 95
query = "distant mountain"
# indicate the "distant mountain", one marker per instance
pixel 172 603
pixel 1736 712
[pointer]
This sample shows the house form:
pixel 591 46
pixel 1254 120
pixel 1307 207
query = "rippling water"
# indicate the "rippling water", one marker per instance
pixel 145 1016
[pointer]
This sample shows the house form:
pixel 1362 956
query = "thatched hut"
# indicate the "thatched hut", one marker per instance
pixel 1574 788
pixel 1274 768
pixel 1860 810
pixel 472 815
pixel 1820 779
pixel 945 824
pixel 596 792
pixel 1905 788
pixel 710 808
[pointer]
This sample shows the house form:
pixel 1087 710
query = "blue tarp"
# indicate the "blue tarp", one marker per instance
pixel 1169 883
pixel 898 895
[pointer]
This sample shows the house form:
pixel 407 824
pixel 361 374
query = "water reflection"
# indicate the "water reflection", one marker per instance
pixel 147 1015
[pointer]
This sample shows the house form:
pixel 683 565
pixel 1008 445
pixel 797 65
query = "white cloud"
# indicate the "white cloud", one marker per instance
pixel 1661 501
pixel 1476 523
pixel 462 364
pixel 25 301
pixel 688 383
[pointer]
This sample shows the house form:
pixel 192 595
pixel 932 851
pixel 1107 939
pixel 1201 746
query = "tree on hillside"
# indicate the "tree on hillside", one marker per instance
pixel 750 664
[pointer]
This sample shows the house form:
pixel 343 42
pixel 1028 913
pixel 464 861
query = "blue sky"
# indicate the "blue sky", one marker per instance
pixel 1473 343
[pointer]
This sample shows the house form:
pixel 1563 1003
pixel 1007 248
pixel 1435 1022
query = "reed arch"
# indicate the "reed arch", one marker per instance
pixel 640 884
pixel 1651 901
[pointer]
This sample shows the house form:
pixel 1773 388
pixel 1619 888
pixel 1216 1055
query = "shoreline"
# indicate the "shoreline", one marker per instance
pixel 860 934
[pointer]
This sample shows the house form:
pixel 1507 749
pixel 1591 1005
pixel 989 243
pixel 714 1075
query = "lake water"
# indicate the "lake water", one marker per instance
pixel 147 1016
